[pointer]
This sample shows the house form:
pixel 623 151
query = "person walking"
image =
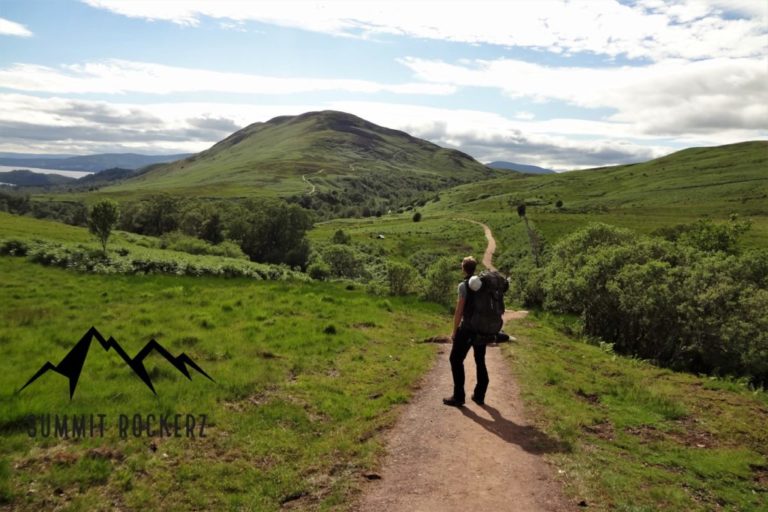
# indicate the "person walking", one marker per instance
pixel 464 338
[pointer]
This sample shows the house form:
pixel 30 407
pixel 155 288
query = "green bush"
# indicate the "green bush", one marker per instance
pixel 87 259
pixel 344 261
pixel 319 270
pixel 401 278
pixel 441 281
pixel 673 303
pixel 177 241
pixel 340 237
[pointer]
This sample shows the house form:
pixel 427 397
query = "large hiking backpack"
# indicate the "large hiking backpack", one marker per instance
pixel 487 304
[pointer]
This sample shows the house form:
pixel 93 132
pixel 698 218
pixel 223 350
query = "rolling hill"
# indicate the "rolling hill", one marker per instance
pixel 694 183
pixel 309 153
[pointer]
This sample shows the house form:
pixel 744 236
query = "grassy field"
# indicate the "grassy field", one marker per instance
pixel 641 438
pixel 305 376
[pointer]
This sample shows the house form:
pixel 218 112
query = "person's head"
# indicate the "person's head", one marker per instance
pixel 468 265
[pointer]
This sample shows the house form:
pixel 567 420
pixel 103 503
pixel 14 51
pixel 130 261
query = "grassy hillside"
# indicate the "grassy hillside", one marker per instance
pixel 289 155
pixel 681 187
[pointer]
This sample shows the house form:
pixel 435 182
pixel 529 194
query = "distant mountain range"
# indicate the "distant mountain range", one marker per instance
pixel 86 163
pixel 528 169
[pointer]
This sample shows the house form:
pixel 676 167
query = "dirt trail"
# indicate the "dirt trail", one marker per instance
pixel 490 248
pixel 445 459
pixel 304 177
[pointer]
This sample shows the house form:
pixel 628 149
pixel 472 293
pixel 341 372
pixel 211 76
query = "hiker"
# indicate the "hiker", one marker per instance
pixel 464 337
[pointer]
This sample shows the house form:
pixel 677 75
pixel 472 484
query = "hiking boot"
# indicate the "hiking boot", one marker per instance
pixel 478 401
pixel 453 402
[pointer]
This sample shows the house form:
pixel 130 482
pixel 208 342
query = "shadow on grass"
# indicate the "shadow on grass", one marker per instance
pixel 526 437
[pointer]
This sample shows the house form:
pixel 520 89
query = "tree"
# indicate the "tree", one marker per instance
pixel 212 230
pixel 273 232
pixel 102 218
pixel 417 217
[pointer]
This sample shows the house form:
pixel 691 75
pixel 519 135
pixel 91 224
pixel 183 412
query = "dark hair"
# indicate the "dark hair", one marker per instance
pixel 468 265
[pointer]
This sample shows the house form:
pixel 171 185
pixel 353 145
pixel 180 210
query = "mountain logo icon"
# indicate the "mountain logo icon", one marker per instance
pixel 72 364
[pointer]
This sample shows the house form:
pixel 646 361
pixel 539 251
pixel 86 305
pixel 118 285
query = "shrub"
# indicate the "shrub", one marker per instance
pixel 401 278
pixel 319 270
pixel 340 237
pixel 441 281
pixel 417 217
pixel 344 261
pixel 682 306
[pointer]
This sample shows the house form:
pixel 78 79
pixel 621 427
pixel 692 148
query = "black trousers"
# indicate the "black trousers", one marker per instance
pixel 461 345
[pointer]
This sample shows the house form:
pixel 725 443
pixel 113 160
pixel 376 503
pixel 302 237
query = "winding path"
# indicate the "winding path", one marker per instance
pixel 447 459
pixel 304 177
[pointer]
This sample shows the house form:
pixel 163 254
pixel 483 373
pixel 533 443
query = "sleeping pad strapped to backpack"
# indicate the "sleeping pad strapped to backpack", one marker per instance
pixel 486 305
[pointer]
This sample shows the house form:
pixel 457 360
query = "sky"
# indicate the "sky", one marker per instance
pixel 560 84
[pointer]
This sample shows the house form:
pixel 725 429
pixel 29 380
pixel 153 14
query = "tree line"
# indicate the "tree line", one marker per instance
pixel 687 298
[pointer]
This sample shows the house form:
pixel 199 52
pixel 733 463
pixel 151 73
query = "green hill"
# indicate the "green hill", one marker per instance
pixel 712 182
pixel 308 154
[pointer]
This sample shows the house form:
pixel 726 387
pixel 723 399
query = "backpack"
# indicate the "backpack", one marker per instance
pixel 486 305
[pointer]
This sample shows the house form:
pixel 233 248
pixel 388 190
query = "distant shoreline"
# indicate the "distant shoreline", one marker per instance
pixel 68 174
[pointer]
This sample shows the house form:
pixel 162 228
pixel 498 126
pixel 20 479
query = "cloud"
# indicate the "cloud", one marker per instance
pixel 11 28
pixel 662 99
pixel 651 29
pixel 63 125
pixel 115 76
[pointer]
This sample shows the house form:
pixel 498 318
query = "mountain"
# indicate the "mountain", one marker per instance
pixel 72 365
pixel 528 169
pixel 317 151
pixel 89 163
pixel 24 178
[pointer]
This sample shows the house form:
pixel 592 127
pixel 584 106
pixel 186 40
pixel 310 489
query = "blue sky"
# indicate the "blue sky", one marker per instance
pixel 559 84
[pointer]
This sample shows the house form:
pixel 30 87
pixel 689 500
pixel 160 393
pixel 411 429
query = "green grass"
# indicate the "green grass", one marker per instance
pixel 641 438
pixel 295 411
pixel 679 188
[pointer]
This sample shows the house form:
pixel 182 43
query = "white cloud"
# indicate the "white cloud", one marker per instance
pixel 64 125
pixel 115 76
pixel 691 29
pixel 11 28
pixel 667 98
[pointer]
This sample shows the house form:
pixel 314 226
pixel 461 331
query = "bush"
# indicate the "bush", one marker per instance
pixel 319 270
pixel 340 237
pixel 682 306
pixel 417 217
pixel 441 281
pixel 87 259
pixel 177 241
pixel 344 261
pixel 401 278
